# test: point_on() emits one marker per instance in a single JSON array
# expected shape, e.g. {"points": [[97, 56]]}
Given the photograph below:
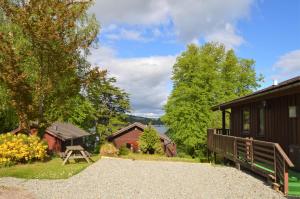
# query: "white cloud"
{"points": [[227, 36], [287, 66], [289, 62], [190, 19], [126, 35], [146, 79]]}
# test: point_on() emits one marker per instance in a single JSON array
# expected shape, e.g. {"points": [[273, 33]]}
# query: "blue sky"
{"points": [[140, 39]]}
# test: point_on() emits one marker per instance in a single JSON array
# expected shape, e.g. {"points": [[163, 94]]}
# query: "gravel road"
{"points": [[111, 178]]}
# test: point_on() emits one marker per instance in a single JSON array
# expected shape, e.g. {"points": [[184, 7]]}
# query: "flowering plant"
{"points": [[21, 149]]}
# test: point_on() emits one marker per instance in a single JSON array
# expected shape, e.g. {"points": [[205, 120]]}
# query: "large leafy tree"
{"points": [[204, 76], [110, 102], [43, 43]]}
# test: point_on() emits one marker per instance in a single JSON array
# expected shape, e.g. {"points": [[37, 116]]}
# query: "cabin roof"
{"points": [[63, 131], [66, 131], [281, 89], [139, 125]]}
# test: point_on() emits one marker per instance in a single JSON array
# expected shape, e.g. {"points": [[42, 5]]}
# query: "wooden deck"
{"points": [[264, 158]]}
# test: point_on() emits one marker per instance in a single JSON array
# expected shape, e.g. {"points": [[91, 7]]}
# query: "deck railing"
{"points": [[265, 158]]}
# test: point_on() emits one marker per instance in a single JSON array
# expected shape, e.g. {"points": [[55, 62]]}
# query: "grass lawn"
{"points": [[52, 169], [156, 157]]}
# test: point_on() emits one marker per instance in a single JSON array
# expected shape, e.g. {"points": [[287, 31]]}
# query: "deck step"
{"points": [[276, 186], [271, 176]]}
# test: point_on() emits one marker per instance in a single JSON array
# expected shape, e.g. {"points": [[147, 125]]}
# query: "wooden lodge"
{"points": [[129, 136], [59, 135], [261, 131]]}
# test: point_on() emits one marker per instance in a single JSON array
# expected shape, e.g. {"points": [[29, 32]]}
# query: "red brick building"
{"points": [[129, 137]]}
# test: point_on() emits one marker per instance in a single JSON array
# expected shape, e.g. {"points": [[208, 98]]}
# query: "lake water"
{"points": [[161, 128]]}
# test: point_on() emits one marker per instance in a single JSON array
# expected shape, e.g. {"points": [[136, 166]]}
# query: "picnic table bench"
{"points": [[76, 152]]}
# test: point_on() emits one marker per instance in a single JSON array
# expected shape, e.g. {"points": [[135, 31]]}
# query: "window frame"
{"points": [[246, 131], [259, 132]]}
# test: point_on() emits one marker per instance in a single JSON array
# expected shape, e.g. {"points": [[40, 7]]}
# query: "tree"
{"points": [[149, 141], [42, 50], [8, 117], [110, 102], [202, 77], [77, 110]]}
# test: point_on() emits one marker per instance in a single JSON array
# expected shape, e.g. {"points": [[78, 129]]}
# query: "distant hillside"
{"points": [[143, 120]]}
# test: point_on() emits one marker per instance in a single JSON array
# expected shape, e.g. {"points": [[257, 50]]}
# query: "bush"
{"points": [[21, 149], [123, 150], [149, 141], [108, 149]]}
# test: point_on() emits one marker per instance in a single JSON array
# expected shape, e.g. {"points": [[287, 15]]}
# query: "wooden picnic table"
{"points": [[76, 152]]}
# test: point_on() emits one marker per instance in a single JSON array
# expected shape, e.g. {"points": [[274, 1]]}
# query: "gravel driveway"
{"points": [[111, 178]]}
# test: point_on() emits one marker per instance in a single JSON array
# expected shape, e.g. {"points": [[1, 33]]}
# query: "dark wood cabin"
{"points": [[59, 135], [271, 114], [263, 132], [129, 136]]}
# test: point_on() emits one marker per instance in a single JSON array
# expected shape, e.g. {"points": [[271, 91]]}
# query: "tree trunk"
{"points": [[23, 123]]}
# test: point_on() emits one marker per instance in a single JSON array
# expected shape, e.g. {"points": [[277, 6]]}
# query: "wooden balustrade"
{"points": [[265, 158]]}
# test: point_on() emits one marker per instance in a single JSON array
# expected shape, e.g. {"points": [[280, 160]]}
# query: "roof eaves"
{"points": [[271, 89]]}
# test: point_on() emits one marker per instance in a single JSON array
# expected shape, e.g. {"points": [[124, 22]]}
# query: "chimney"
{"points": [[56, 127], [275, 82]]}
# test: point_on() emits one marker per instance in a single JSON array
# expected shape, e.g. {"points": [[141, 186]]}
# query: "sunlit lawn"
{"points": [[156, 157], [52, 169]]}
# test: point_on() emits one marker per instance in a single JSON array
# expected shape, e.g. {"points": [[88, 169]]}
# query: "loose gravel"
{"points": [[111, 178]]}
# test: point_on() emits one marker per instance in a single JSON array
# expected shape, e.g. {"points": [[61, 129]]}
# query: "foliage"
{"points": [[204, 76], [123, 150], [108, 149], [154, 121], [21, 148], [8, 117], [52, 169], [110, 102], [149, 141], [42, 54], [77, 110]]}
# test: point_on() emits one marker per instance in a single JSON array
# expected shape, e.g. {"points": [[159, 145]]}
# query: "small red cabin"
{"points": [[59, 135], [129, 137]]}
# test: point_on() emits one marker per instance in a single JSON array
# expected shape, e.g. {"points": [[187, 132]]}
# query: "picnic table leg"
{"points": [[67, 158], [88, 155], [85, 157]]}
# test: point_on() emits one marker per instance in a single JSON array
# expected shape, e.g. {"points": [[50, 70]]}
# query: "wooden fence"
{"points": [[265, 158]]}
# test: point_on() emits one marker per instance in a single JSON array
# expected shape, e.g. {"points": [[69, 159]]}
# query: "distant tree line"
{"points": [[204, 76], [144, 120]]}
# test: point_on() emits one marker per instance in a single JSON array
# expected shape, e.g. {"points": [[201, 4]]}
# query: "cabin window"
{"points": [[292, 111], [128, 145], [246, 120], [261, 123]]}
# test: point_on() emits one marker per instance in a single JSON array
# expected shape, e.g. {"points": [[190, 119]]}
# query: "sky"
{"points": [[139, 41]]}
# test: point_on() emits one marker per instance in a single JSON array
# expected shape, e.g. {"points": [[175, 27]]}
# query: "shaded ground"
{"points": [[121, 178]]}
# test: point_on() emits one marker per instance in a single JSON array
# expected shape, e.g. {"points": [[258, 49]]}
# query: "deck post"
{"points": [[285, 180], [223, 122], [238, 165], [215, 157]]}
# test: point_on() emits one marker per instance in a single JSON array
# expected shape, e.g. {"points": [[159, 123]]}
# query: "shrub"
{"points": [[108, 149], [149, 141], [123, 150], [21, 149]]}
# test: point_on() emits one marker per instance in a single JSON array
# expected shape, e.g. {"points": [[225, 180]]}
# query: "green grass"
{"points": [[294, 183], [156, 157], [52, 169]]}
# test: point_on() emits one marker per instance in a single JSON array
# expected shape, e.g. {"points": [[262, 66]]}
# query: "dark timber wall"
{"points": [[278, 126]]}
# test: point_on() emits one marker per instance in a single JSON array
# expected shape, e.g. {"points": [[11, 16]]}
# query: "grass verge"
{"points": [[156, 157], [52, 169]]}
